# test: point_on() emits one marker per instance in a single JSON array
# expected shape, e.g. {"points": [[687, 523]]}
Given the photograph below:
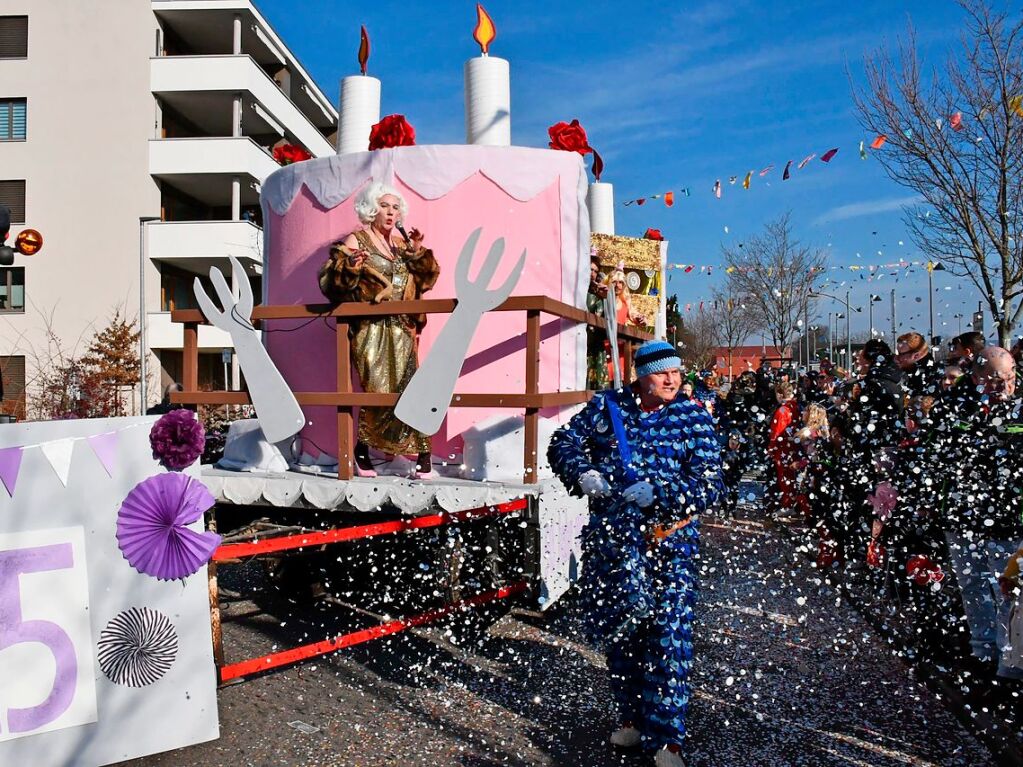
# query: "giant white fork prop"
{"points": [[278, 412], [424, 403]]}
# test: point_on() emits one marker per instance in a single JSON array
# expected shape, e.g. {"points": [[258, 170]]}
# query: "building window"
{"points": [[12, 289], [12, 119], [12, 194], [13, 37], [12, 386]]}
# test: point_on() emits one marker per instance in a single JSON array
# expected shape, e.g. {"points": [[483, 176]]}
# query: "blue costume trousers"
{"points": [[650, 665]]}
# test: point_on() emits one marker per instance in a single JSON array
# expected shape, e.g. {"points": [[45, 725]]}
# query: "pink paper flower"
{"points": [[177, 439], [883, 499]]}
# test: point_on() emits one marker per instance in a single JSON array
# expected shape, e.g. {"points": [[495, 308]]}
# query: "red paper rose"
{"points": [[393, 130], [286, 154], [653, 234], [570, 137]]}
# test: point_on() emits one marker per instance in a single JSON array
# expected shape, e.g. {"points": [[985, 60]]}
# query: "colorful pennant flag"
{"points": [[805, 160], [826, 157], [745, 181], [767, 170], [105, 448], [717, 189], [878, 142], [669, 199], [863, 152], [785, 175], [58, 453], [955, 122], [10, 463]]}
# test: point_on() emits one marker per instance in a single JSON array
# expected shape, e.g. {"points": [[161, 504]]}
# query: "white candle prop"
{"points": [[358, 112], [600, 201], [487, 101]]}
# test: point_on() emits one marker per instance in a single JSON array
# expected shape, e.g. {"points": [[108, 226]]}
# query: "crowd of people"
{"points": [[908, 472]]}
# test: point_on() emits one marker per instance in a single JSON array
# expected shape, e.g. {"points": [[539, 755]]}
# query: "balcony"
{"points": [[161, 333], [202, 89], [195, 246], [210, 156]]}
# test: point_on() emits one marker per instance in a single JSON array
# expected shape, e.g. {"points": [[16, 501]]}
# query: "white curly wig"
{"points": [[366, 203]]}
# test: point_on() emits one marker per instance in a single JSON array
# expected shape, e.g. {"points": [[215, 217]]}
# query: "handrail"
{"points": [[345, 400], [543, 304]]}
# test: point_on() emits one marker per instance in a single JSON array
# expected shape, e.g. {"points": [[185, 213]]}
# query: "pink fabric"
{"points": [[298, 242]]}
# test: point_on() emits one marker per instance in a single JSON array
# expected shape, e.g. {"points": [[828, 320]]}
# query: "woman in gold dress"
{"points": [[380, 263]]}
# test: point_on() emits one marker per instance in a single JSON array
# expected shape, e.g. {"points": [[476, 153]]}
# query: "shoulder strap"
{"points": [[624, 448]]}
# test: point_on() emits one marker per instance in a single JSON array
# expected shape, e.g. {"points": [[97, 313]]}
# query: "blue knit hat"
{"points": [[656, 357]]}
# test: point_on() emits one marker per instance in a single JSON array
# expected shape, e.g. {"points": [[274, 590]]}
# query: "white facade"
{"points": [[165, 110]]}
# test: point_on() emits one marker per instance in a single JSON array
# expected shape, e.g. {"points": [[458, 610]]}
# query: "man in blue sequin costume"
{"points": [[649, 463]]}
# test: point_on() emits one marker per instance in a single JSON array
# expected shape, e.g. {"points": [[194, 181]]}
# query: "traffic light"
{"points": [[6, 252]]}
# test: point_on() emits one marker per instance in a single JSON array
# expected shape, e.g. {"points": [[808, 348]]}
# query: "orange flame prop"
{"points": [[485, 31], [364, 50]]}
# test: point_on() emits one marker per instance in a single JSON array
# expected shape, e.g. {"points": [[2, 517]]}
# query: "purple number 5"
{"points": [[13, 630]]}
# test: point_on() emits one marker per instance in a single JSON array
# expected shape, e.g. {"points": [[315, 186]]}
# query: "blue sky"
{"points": [[672, 95]]}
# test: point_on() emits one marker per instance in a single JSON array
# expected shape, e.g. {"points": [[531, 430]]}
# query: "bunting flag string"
{"points": [[869, 268], [955, 122], [59, 453]]}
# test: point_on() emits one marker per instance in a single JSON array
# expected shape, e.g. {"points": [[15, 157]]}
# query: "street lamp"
{"points": [[848, 336], [932, 267], [143, 220], [870, 311]]}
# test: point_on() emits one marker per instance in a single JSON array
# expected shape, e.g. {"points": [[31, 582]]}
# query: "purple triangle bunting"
{"points": [[105, 448], [10, 463]]}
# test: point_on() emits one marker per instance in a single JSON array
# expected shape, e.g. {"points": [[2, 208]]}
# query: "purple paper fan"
{"points": [[151, 526]]}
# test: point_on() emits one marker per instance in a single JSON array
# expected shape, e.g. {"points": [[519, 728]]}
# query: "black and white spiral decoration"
{"points": [[137, 647]]}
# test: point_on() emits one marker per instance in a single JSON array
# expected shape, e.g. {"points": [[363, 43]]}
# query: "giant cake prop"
{"points": [[533, 199]]}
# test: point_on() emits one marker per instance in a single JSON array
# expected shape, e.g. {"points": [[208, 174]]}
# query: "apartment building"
{"points": [[134, 134]]}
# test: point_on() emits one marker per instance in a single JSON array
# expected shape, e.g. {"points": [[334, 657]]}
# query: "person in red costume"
{"points": [[781, 444]]}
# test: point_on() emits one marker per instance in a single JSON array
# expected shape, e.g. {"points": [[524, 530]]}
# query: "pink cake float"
{"points": [[535, 199]]}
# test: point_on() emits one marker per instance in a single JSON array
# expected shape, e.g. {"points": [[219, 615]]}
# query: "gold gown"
{"points": [[385, 350]]}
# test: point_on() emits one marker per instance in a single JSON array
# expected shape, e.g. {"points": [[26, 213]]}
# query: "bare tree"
{"points": [[736, 321], [774, 276], [957, 140], [699, 338]]}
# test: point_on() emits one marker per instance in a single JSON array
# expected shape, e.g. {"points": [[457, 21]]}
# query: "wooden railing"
{"points": [[345, 400]]}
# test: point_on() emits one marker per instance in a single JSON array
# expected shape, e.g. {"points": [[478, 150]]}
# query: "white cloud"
{"points": [[867, 208]]}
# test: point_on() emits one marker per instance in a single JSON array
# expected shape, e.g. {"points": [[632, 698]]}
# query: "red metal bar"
{"points": [[287, 657], [233, 551]]}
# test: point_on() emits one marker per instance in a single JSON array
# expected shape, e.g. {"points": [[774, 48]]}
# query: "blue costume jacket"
{"points": [[639, 605]]}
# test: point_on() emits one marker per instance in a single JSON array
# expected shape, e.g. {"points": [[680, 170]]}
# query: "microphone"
{"points": [[401, 229]]}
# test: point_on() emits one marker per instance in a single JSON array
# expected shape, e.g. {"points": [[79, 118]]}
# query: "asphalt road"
{"points": [[787, 673]]}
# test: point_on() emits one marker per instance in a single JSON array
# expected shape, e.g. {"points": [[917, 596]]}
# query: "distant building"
{"points": [[743, 358], [112, 113]]}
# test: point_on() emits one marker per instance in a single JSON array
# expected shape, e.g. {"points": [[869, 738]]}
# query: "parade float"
{"points": [[502, 356], [105, 650]]}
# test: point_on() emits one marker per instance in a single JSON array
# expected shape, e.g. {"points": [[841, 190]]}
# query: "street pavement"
{"points": [[787, 673]]}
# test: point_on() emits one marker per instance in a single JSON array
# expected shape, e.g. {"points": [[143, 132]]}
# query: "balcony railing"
{"points": [[345, 400], [176, 240], [237, 156], [230, 74]]}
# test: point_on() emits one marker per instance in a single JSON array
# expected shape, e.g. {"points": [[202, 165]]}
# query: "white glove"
{"points": [[593, 484], [639, 493]]}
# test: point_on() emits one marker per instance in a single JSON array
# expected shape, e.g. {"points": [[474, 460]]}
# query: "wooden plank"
{"points": [[345, 443], [544, 304], [190, 357], [370, 399], [530, 434]]}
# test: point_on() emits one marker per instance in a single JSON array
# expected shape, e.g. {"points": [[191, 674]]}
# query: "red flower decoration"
{"points": [[653, 234], [921, 570], [569, 137], [286, 154], [393, 130], [875, 554]]}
